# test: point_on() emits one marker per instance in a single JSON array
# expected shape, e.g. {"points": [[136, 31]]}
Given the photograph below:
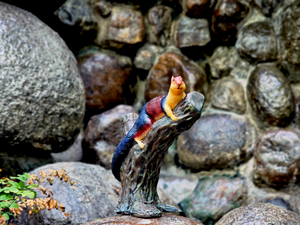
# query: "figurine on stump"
{"points": [[137, 160]]}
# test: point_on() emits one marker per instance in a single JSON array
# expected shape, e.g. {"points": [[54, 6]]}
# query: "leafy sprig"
{"points": [[18, 193]]}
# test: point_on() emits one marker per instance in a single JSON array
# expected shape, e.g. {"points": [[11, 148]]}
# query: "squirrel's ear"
{"points": [[172, 78]]}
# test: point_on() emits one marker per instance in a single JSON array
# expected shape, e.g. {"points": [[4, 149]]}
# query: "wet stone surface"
{"points": [[191, 32], [198, 8], [217, 141], [103, 134], [213, 197], [173, 64], [228, 94], [159, 21], [270, 96], [257, 42], [226, 17], [277, 157], [104, 74], [124, 25], [261, 213], [223, 61], [268, 7], [146, 55]]}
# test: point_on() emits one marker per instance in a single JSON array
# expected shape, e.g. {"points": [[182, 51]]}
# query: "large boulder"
{"points": [[95, 195], [41, 92]]}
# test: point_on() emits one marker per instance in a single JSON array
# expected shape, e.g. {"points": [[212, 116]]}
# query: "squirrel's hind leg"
{"points": [[142, 131]]}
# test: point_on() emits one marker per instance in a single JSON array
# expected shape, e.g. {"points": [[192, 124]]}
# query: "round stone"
{"points": [[103, 134], [173, 64], [198, 8], [270, 96], [41, 92], [226, 17], [105, 75], [277, 157], [217, 141], [262, 213], [191, 32], [257, 42], [228, 94], [213, 197]]}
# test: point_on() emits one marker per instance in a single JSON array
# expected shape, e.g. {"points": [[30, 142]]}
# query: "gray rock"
{"points": [[267, 7], [262, 213], [103, 134], [158, 23], [277, 157], [270, 96], [228, 94], [213, 197], [191, 32], [95, 195], [257, 42], [146, 55], [289, 31], [217, 141], [72, 154], [41, 92], [76, 12], [223, 61]]}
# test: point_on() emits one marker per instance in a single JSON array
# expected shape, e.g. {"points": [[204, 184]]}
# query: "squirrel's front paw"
{"points": [[174, 118]]}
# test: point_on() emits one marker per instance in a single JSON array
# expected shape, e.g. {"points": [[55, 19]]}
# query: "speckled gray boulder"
{"points": [[41, 92], [217, 141], [95, 195], [262, 213]]}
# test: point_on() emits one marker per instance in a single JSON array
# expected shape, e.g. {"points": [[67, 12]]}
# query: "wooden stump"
{"points": [[140, 170]]}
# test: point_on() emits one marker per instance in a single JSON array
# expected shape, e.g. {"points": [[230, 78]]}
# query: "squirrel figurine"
{"points": [[152, 111]]}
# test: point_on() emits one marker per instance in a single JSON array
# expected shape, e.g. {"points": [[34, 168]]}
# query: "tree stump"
{"points": [[140, 170]]}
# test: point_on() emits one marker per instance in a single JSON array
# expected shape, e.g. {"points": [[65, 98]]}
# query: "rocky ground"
{"points": [[70, 69]]}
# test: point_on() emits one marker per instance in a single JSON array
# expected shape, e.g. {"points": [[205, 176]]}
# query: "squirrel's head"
{"points": [[177, 83]]}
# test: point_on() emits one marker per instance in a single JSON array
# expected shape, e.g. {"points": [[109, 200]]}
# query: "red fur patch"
{"points": [[153, 108]]}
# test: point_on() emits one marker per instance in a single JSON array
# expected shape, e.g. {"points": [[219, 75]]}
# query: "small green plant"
{"points": [[18, 193]]}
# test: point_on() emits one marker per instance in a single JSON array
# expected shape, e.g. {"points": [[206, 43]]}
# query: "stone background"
{"points": [[243, 55]]}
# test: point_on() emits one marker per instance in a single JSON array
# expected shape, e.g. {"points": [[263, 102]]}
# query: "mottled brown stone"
{"points": [[257, 42], [217, 141], [165, 219], [198, 8], [228, 94], [104, 74], [191, 32], [172, 64], [103, 134], [277, 157], [270, 96], [214, 196], [261, 213], [226, 17], [159, 21], [124, 25]]}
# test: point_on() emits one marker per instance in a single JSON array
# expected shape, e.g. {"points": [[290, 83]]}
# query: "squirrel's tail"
{"points": [[122, 151]]}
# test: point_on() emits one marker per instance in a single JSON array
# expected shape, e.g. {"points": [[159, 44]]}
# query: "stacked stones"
{"points": [[242, 55]]}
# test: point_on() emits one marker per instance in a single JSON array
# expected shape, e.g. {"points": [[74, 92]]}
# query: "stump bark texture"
{"points": [[140, 171]]}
